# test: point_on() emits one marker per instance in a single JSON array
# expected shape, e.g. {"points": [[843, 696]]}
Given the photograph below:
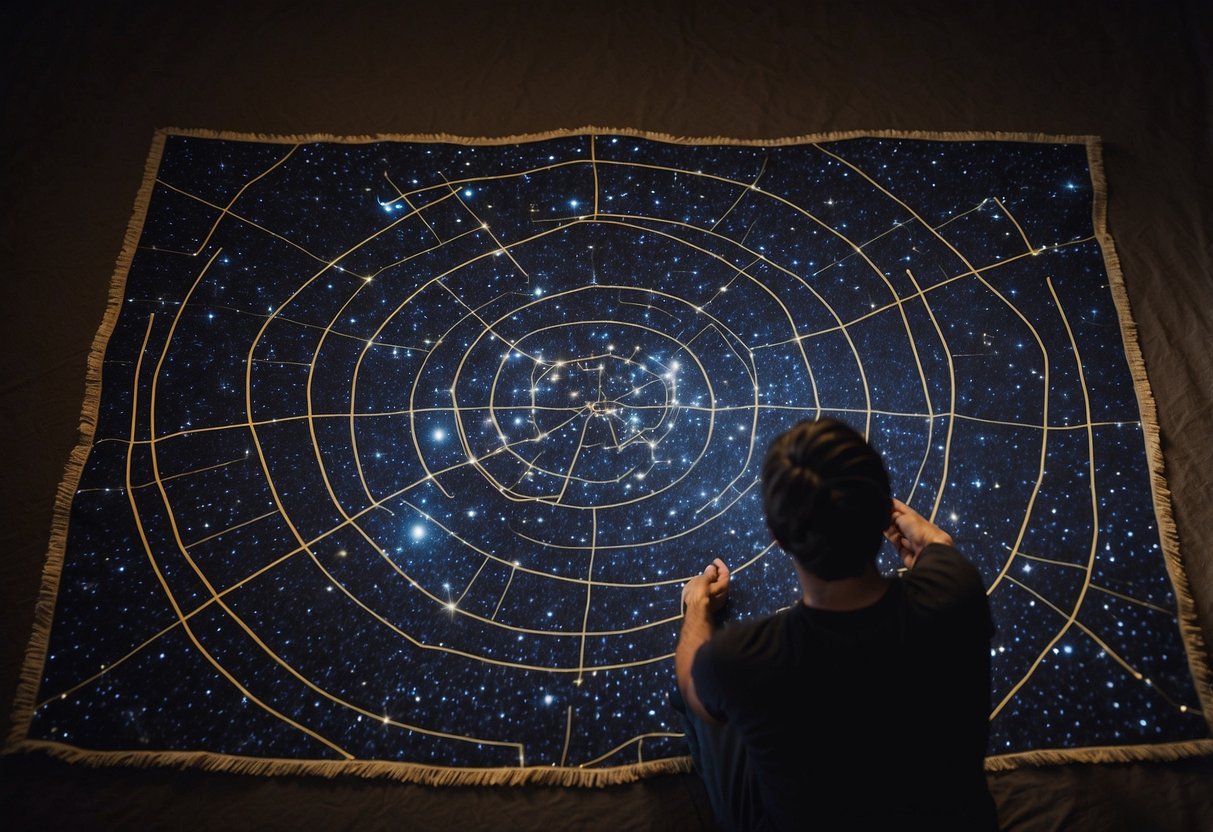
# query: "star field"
{"points": [[405, 448]]}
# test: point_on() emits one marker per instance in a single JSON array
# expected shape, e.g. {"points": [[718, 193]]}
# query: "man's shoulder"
{"points": [[944, 582], [942, 565], [740, 639], [740, 656]]}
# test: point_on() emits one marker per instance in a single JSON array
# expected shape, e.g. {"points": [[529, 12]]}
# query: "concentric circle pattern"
{"points": [[406, 448]]}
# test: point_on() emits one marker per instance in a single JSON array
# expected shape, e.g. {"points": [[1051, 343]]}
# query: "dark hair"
{"points": [[827, 498]]}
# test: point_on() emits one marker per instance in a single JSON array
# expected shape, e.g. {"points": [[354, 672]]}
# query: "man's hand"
{"points": [[712, 585], [910, 533]]}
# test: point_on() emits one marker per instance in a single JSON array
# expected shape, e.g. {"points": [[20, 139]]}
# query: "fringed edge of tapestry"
{"points": [[25, 700], [1189, 623]]}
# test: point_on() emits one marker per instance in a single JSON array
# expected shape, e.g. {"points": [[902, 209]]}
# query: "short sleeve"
{"points": [[943, 582], [709, 685]]}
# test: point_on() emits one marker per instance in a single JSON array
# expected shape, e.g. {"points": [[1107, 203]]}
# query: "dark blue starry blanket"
{"points": [[398, 451]]}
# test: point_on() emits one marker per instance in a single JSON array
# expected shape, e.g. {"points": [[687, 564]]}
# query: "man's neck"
{"points": [[845, 594]]}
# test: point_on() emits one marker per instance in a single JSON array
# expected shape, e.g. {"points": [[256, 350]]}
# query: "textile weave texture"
{"points": [[397, 450]]}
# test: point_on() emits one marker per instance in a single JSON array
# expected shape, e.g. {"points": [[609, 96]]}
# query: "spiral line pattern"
{"points": [[405, 448]]}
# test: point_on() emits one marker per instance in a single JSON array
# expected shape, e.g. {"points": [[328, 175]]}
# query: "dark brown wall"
{"points": [[86, 84]]}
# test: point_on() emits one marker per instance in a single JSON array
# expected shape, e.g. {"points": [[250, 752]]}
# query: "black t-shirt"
{"points": [[867, 717]]}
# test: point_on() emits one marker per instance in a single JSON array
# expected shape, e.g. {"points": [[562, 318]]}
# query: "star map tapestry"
{"points": [[397, 450]]}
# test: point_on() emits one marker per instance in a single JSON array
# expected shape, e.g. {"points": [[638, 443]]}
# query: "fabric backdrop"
{"points": [[400, 450]]}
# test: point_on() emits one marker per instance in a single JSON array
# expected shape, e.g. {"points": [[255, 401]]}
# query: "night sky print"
{"points": [[405, 448]]}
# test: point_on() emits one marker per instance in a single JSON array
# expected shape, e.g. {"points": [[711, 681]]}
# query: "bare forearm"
{"points": [[696, 631], [702, 595], [910, 533]]}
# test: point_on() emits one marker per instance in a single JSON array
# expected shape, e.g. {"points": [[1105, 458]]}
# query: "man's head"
{"points": [[827, 498]]}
